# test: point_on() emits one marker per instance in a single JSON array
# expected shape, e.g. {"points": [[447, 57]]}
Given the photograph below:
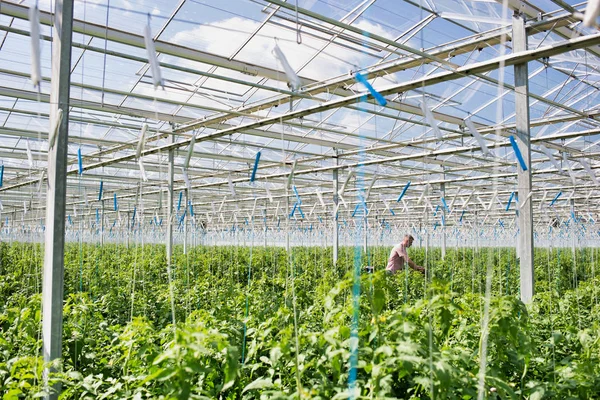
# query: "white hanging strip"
{"points": [[320, 196], [141, 141], [293, 80], [371, 186], [588, 169], [269, 195], [231, 187], [522, 204], [253, 209], [152, 59], [343, 189], [548, 154], [543, 199], [454, 200], [591, 13], [421, 197], [222, 204], [29, 155], [186, 179], [55, 129], [431, 120], [482, 203], [277, 210], [473, 130], [186, 164], [36, 68], [142, 170], [312, 210], [569, 170], [291, 175], [468, 199], [1, 206], [343, 201]]}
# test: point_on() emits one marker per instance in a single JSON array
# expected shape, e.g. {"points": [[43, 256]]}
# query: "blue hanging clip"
{"points": [[79, 161], [403, 192], [355, 210], [294, 209], [253, 176], [512, 196], [518, 153], [179, 202], [1, 175], [555, 198], [133, 217], [378, 97], [461, 216], [298, 200], [115, 202], [191, 208], [100, 192], [69, 218], [445, 205]]}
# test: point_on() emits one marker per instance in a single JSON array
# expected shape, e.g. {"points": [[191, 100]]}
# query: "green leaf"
{"points": [[260, 383]]}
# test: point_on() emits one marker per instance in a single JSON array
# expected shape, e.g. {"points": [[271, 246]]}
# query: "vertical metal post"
{"points": [[524, 177], [443, 194], [102, 225], [185, 219], [53, 276], [170, 175], [287, 220], [336, 187], [574, 225]]}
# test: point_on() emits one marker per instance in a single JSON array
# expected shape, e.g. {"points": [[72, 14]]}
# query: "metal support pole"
{"points": [[185, 222], [287, 220], [574, 226], [524, 177], [336, 187], [53, 276], [102, 225], [443, 194], [170, 174]]}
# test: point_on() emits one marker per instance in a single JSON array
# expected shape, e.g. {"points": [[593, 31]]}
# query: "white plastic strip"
{"points": [[431, 120], [141, 141], [568, 165], [468, 199], [526, 200], [152, 59], [291, 175], [142, 170], [29, 155], [493, 200], [222, 203], [473, 130], [371, 186], [340, 197], [588, 169], [186, 179], [36, 66], [231, 187], [186, 164], [41, 182], [320, 196], [269, 195], [293, 79], [548, 154], [543, 199], [345, 185], [591, 13], [54, 130]]}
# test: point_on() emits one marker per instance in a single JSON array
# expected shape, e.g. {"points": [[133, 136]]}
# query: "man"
{"points": [[399, 256]]}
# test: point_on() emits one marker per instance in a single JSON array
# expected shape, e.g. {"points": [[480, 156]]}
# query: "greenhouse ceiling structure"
{"points": [[212, 115]]}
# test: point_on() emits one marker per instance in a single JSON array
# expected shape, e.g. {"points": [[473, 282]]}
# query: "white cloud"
{"points": [[226, 36]]}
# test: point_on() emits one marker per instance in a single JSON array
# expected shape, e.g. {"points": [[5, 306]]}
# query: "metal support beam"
{"points": [[53, 279], [525, 236], [336, 187]]}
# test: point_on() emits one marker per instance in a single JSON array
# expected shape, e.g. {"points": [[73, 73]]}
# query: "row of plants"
{"points": [[258, 323]]}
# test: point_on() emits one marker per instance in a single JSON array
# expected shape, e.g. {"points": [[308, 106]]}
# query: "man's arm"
{"points": [[414, 266]]}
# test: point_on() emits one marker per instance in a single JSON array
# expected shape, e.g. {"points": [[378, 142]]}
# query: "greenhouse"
{"points": [[304, 199]]}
